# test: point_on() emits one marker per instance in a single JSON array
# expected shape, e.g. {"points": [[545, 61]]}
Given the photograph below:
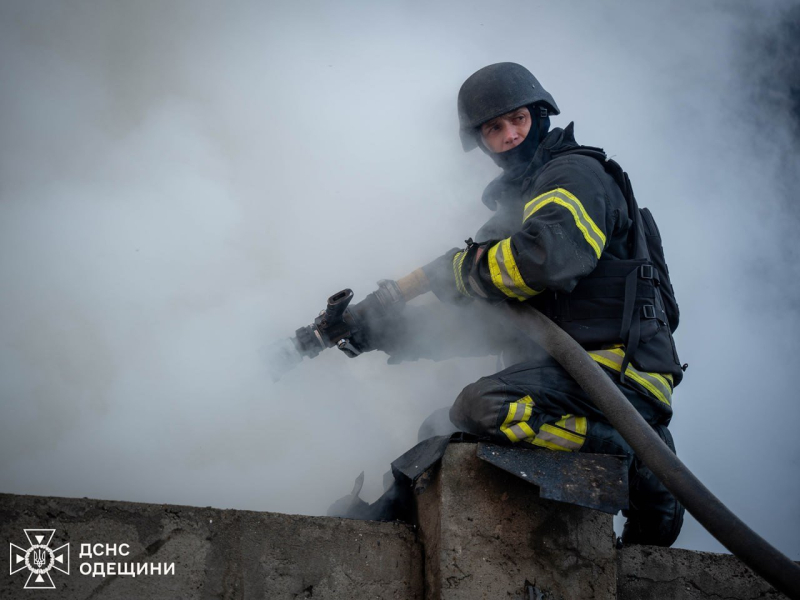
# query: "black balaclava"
{"points": [[514, 161]]}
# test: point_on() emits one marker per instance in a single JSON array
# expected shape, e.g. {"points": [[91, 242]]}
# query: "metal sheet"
{"points": [[411, 465], [420, 458], [598, 481]]}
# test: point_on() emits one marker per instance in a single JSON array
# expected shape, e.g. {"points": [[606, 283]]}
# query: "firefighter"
{"points": [[568, 237]]}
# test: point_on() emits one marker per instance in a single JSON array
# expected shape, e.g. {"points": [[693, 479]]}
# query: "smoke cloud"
{"points": [[183, 183]]}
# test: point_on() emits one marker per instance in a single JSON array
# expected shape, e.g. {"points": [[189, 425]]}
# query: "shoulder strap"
{"points": [[631, 319], [656, 249], [612, 167]]}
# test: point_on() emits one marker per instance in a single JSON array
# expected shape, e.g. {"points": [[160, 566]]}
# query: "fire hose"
{"points": [[753, 550]]}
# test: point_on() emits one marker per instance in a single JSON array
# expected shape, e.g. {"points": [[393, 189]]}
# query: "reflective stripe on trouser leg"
{"points": [[486, 408], [515, 425], [484, 405], [567, 434]]}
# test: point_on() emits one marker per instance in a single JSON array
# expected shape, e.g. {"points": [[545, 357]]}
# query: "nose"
{"points": [[511, 135]]}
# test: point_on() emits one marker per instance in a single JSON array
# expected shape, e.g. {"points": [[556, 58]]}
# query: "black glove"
{"points": [[373, 319], [449, 274]]}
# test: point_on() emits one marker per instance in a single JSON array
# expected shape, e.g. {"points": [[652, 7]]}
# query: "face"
{"points": [[506, 131]]}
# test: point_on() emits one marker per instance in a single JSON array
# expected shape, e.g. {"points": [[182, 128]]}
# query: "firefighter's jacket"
{"points": [[569, 239]]}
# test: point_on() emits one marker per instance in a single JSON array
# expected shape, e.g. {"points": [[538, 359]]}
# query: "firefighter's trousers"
{"points": [[538, 403]]}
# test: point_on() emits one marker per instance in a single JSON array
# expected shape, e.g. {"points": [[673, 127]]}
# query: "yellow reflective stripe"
{"points": [[528, 411], [514, 426], [591, 232], [566, 434], [505, 273], [497, 275], [572, 423], [512, 408], [543, 443], [554, 438], [513, 270], [529, 432], [559, 430], [664, 379], [637, 376], [519, 411], [652, 382], [518, 432], [458, 263], [510, 433], [661, 383]]}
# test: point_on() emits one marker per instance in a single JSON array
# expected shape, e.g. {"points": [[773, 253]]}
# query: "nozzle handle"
{"points": [[414, 284], [337, 304]]}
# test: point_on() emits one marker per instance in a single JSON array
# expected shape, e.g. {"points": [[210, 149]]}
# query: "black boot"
{"points": [[655, 517]]}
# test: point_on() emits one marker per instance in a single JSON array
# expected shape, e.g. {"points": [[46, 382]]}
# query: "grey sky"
{"points": [[183, 182]]}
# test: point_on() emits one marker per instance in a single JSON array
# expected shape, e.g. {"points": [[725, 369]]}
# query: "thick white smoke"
{"points": [[182, 183]]}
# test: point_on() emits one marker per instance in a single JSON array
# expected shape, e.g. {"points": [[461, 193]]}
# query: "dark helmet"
{"points": [[494, 91]]}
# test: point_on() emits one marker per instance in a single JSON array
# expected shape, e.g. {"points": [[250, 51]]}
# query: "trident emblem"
{"points": [[39, 559]]}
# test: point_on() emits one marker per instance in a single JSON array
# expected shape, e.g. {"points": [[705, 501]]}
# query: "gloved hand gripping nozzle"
{"points": [[352, 329], [338, 324]]}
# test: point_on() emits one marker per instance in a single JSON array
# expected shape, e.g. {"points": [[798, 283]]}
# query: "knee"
{"points": [[463, 407], [476, 407]]}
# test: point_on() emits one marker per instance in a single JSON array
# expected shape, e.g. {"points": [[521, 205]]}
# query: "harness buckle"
{"points": [[649, 311], [647, 272]]}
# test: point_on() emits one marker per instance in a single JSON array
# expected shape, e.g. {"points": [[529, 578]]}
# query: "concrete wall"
{"points": [[650, 573], [217, 553], [483, 534]]}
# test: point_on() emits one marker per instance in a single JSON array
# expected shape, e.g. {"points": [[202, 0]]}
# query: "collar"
{"points": [[506, 188]]}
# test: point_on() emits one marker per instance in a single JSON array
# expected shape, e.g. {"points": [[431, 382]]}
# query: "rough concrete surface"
{"points": [[217, 553], [483, 534], [486, 532], [652, 573]]}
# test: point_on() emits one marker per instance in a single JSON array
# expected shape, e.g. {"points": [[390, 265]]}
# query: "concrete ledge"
{"points": [[652, 573], [217, 553], [486, 532]]}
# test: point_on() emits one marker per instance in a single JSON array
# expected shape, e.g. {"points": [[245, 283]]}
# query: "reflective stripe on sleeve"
{"points": [[505, 273], [591, 232], [458, 263], [656, 384]]}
